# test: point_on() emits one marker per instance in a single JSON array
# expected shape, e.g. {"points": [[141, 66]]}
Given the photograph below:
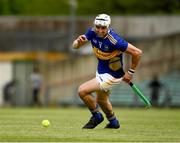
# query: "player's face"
{"points": [[101, 31]]}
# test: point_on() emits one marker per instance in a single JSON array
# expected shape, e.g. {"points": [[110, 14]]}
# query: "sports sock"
{"points": [[95, 111], [111, 117]]}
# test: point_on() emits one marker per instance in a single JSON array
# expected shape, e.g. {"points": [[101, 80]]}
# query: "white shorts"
{"points": [[107, 81]]}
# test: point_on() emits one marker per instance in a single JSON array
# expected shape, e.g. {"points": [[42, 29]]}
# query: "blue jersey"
{"points": [[109, 51]]}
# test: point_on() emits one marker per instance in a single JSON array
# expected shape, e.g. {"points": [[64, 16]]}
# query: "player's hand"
{"points": [[127, 77], [81, 39]]}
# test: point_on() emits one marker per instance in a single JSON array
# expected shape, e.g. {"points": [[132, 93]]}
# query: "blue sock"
{"points": [[114, 121], [97, 114], [96, 110]]}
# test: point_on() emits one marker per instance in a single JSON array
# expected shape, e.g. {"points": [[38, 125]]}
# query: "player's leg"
{"points": [[34, 97], [103, 101], [85, 91]]}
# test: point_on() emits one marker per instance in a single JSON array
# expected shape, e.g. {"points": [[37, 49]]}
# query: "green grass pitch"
{"points": [[137, 125]]}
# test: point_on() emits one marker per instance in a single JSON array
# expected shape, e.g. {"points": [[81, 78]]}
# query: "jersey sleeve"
{"points": [[89, 34], [121, 45]]}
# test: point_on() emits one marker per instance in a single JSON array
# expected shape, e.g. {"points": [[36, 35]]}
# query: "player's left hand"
{"points": [[127, 77]]}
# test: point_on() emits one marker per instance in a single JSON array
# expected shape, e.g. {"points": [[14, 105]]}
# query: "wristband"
{"points": [[131, 71]]}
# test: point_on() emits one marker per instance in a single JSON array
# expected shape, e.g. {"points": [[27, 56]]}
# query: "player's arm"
{"points": [[136, 55], [80, 41]]}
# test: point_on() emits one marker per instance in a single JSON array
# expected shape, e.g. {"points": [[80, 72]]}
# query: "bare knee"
{"points": [[82, 92]]}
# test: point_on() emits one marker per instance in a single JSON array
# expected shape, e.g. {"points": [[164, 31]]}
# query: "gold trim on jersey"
{"points": [[105, 55], [111, 39]]}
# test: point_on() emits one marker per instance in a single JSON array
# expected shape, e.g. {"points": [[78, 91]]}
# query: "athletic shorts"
{"points": [[107, 81]]}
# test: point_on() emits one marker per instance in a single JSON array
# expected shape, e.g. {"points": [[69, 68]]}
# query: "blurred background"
{"points": [[37, 60]]}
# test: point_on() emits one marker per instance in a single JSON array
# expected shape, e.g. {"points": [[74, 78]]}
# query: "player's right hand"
{"points": [[81, 39]]}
